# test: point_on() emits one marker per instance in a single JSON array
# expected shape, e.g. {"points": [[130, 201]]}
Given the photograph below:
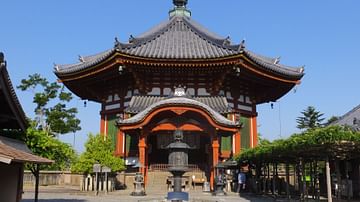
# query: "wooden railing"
{"points": [[164, 167]]}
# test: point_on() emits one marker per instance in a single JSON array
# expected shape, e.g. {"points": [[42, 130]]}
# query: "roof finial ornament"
{"points": [[302, 69], [277, 60], [242, 45], [180, 9], [131, 38], [227, 41], [2, 57], [117, 43], [56, 67], [81, 58], [180, 3]]}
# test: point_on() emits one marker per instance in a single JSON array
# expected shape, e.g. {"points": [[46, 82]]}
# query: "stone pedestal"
{"points": [[219, 189], [139, 189], [219, 185]]}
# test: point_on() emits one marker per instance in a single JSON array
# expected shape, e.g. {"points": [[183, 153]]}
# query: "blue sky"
{"points": [[323, 35]]}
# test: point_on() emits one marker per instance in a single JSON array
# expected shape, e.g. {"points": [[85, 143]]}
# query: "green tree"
{"points": [[51, 113], [46, 145], [52, 117], [331, 120], [262, 140], [98, 150], [310, 119]]}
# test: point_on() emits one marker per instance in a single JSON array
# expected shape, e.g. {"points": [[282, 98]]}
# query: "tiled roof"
{"points": [[140, 103], [349, 118], [16, 151], [10, 104], [179, 101], [272, 65], [180, 38], [85, 62]]}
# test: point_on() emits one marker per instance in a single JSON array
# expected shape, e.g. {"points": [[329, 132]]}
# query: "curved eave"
{"points": [[179, 102], [272, 65], [87, 63], [77, 68], [258, 66]]}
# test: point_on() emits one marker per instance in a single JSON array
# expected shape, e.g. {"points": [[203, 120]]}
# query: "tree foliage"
{"points": [[98, 150], [52, 117], [331, 120], [262, 140], [310, 119], [47, 146], [52, 113], [304, 144]]}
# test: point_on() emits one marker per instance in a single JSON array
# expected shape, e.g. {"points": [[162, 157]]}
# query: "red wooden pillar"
{"points": [[146, 164], [142, 154], [236, 139], [254, 131], [215, 158], [237, 143], [102, 124], [120, 150]]}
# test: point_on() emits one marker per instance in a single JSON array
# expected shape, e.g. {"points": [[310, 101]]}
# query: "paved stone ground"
{"points": [[69, 194]]}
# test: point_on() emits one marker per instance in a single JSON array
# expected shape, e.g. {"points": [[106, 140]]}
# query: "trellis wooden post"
{"points": [[287, 180], [317, 183], [268, 177], [299, 177], [258, 177], [328, 180], [338, 179], [304, 188], [347, 180], [311, 184], [273, 179], [264, 178]]}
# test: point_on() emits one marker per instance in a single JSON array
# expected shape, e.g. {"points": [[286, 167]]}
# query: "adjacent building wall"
{"points": [[10, 181]]}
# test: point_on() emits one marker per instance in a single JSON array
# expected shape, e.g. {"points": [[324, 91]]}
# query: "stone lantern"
{"points": [[178, 165]]}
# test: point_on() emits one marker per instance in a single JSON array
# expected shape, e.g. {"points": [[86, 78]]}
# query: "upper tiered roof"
{"points": [[180, 39]]}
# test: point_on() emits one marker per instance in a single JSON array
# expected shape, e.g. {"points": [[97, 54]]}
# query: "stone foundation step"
{"points": [[157, 180]]}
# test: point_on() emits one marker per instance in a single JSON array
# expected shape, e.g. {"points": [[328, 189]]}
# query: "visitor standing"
{"points": [[241, 181]]}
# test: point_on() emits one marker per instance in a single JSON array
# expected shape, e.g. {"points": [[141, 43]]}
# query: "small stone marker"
{"points": [[105, 169], [96, 168]]}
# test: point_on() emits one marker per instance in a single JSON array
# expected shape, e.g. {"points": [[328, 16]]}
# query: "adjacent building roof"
{"points": [[12, 115], [181, 39], [140, 103], [12, 150], [179, 101], [351, 119]]}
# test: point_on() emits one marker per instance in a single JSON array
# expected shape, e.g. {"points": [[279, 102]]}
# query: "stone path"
{"points": [[70, 194]]}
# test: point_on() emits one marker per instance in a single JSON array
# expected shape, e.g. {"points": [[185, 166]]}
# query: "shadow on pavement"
{"points": [[54, 200], [256, 197]]}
